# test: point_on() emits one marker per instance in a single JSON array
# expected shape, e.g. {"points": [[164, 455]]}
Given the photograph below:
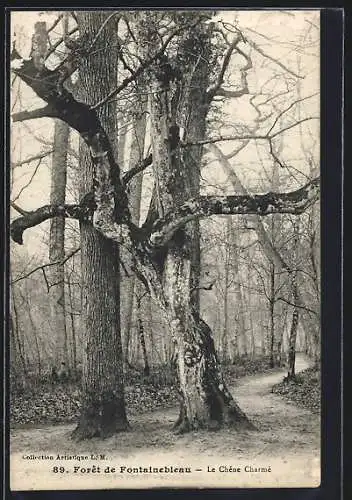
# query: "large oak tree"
{"points": [[164, 249]]}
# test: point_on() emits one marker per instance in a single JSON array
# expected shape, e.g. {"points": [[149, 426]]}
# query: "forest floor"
{"points": [[287, 441]]}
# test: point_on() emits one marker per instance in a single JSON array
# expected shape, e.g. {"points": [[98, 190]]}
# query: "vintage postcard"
{"points": [[165, 249]]}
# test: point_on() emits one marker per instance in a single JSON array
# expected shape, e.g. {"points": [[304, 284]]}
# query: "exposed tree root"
{"points": [[102, 421]]}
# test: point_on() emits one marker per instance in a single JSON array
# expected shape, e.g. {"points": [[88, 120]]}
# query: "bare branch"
{"points": [[214, 89], [43, 266], [61, 104], [288, 127], [294, 202], [55, 23], [271, 58], [45, 279], [60, 41], [31, 219], [224, 138], [18, 209], [39, 156], [245, 137], [23, 188], [144, 65], [244, 90], [288, 108], [130, 32], [46, 142], [305, 308], [139, 167], [44, 112]]}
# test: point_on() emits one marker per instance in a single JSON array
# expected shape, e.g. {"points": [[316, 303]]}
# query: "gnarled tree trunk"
{"points": [[205, 399]]}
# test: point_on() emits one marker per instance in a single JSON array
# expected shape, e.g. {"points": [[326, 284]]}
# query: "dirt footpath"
{"points": [[287, 441]]}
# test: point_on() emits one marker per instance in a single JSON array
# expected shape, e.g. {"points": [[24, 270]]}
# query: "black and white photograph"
{"points": [[165, 249]]}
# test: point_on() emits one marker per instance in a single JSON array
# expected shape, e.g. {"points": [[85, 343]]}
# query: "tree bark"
{"points": [[103, 405]]}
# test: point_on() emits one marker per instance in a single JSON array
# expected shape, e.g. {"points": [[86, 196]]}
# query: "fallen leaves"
{"points": [[303, 389]]}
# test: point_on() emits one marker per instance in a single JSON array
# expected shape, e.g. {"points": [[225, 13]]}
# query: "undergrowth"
{"points": [[44, 402], [303, 389]]}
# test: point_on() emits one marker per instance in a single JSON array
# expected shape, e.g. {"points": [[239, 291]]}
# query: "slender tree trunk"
{"points": [[103, 406], [135, 189], [73, 328], [155, 354], [225, 332], [251, 329], [240, 325], [17, 368], [292, 341], [16, 332], [146, 368], [295, 313], [272, 317], [56, 272], [36, 343], [57, 244]]}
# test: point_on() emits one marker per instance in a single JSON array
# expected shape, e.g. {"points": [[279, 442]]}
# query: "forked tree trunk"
{"points": [[205, 399], [103, 406]]}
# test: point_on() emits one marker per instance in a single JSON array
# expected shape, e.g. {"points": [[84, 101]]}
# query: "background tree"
{"points": [[57, 232]]}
